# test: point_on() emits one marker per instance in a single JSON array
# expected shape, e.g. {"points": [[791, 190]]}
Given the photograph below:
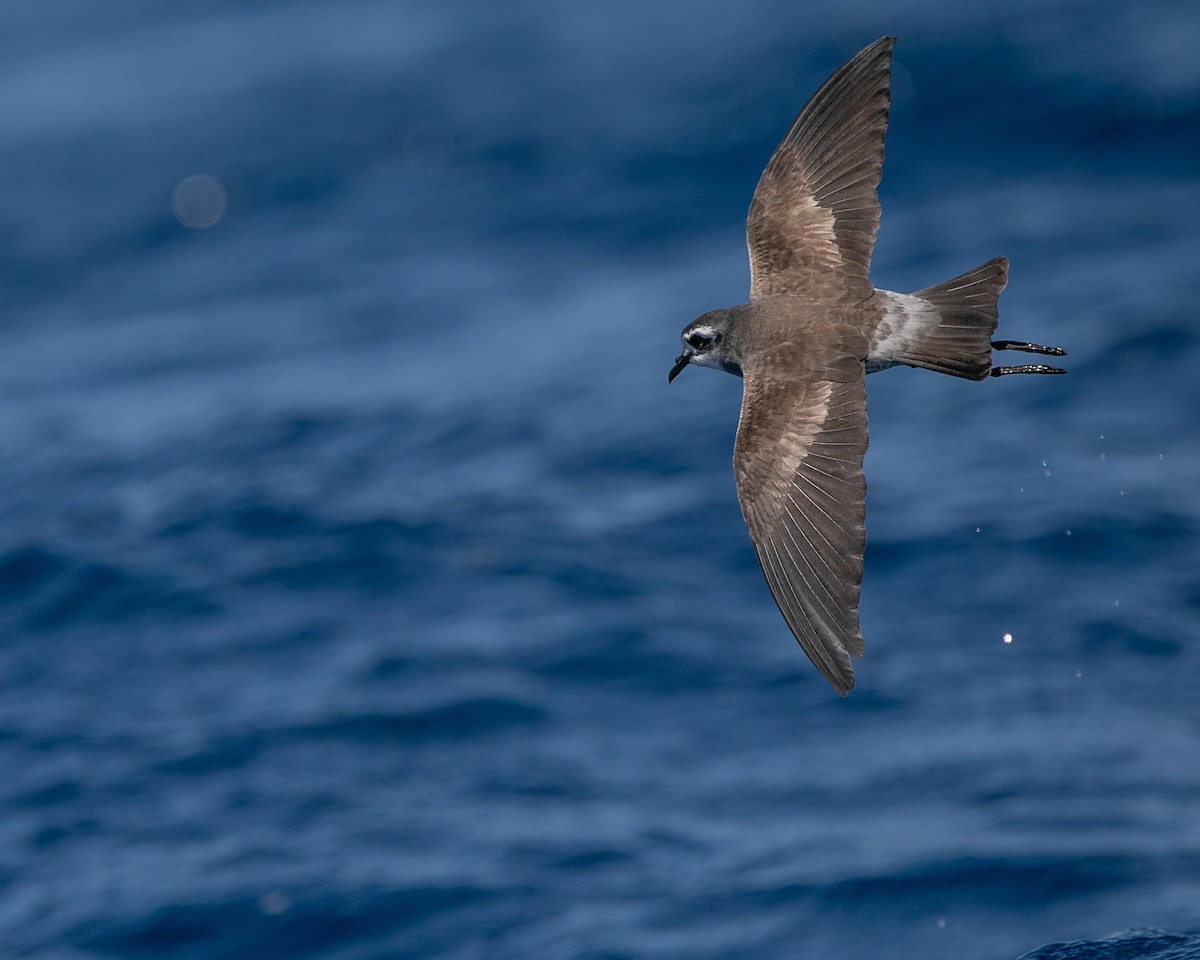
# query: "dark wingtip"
{"points": [[843, 685], [838, 673], [873, 50], [885, 43]]}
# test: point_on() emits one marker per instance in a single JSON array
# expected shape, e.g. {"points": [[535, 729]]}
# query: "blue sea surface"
{"points": [[365, 591]]}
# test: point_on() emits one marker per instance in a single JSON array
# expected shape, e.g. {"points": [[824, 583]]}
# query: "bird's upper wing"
{"points": [[813, 218], [798, 464]]}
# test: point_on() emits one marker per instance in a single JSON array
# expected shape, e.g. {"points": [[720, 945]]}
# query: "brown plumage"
{"points": [[813, 328]]}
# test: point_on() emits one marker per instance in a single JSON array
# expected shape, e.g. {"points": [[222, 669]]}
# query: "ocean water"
{"points": [[365, 592]]}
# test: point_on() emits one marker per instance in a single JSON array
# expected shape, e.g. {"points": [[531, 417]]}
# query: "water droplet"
{"points": [[199, 201], [1008, 638], [273, 903]]}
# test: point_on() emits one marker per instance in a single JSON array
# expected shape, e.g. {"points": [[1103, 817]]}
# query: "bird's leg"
{"points": [[1026, 368], [1025, 347]]}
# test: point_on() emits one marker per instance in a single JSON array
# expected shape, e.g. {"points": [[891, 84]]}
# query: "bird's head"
{"points": [[707, 343]]}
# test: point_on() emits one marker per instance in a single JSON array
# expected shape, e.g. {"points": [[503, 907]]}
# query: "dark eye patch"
{"points": [[698, 341]]}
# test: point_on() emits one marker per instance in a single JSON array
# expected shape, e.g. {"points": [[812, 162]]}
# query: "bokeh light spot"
{"points": [[199, 201]]}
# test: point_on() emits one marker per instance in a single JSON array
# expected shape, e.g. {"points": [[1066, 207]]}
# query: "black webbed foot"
{"points": [[1026, 368], [1026, 347]]}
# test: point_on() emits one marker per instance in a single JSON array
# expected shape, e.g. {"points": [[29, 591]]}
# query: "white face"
{"points": [[703, 342], [708, 342]]}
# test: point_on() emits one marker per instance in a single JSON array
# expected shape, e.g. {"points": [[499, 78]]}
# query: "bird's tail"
{"points": [[960, 341]]}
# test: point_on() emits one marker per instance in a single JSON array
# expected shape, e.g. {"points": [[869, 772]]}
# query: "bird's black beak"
{"points": [[681, 361]]}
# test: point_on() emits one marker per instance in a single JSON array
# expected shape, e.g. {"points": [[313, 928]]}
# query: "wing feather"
{"points": [[815, 209], [798, 464]]}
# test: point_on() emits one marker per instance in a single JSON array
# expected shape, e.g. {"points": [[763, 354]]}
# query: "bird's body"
{"points": [[813, 328]]}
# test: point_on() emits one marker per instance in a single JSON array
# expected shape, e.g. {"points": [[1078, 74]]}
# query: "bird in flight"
{"points": [[814, 326]]}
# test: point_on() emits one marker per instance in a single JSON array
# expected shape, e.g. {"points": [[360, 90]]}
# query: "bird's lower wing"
{"points": [[798, 465]]}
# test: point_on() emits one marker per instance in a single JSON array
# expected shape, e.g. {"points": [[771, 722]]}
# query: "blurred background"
{"points": [[365, 591]]}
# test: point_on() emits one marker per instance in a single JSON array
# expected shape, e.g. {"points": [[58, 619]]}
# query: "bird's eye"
{"points": [[699, 341]]}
